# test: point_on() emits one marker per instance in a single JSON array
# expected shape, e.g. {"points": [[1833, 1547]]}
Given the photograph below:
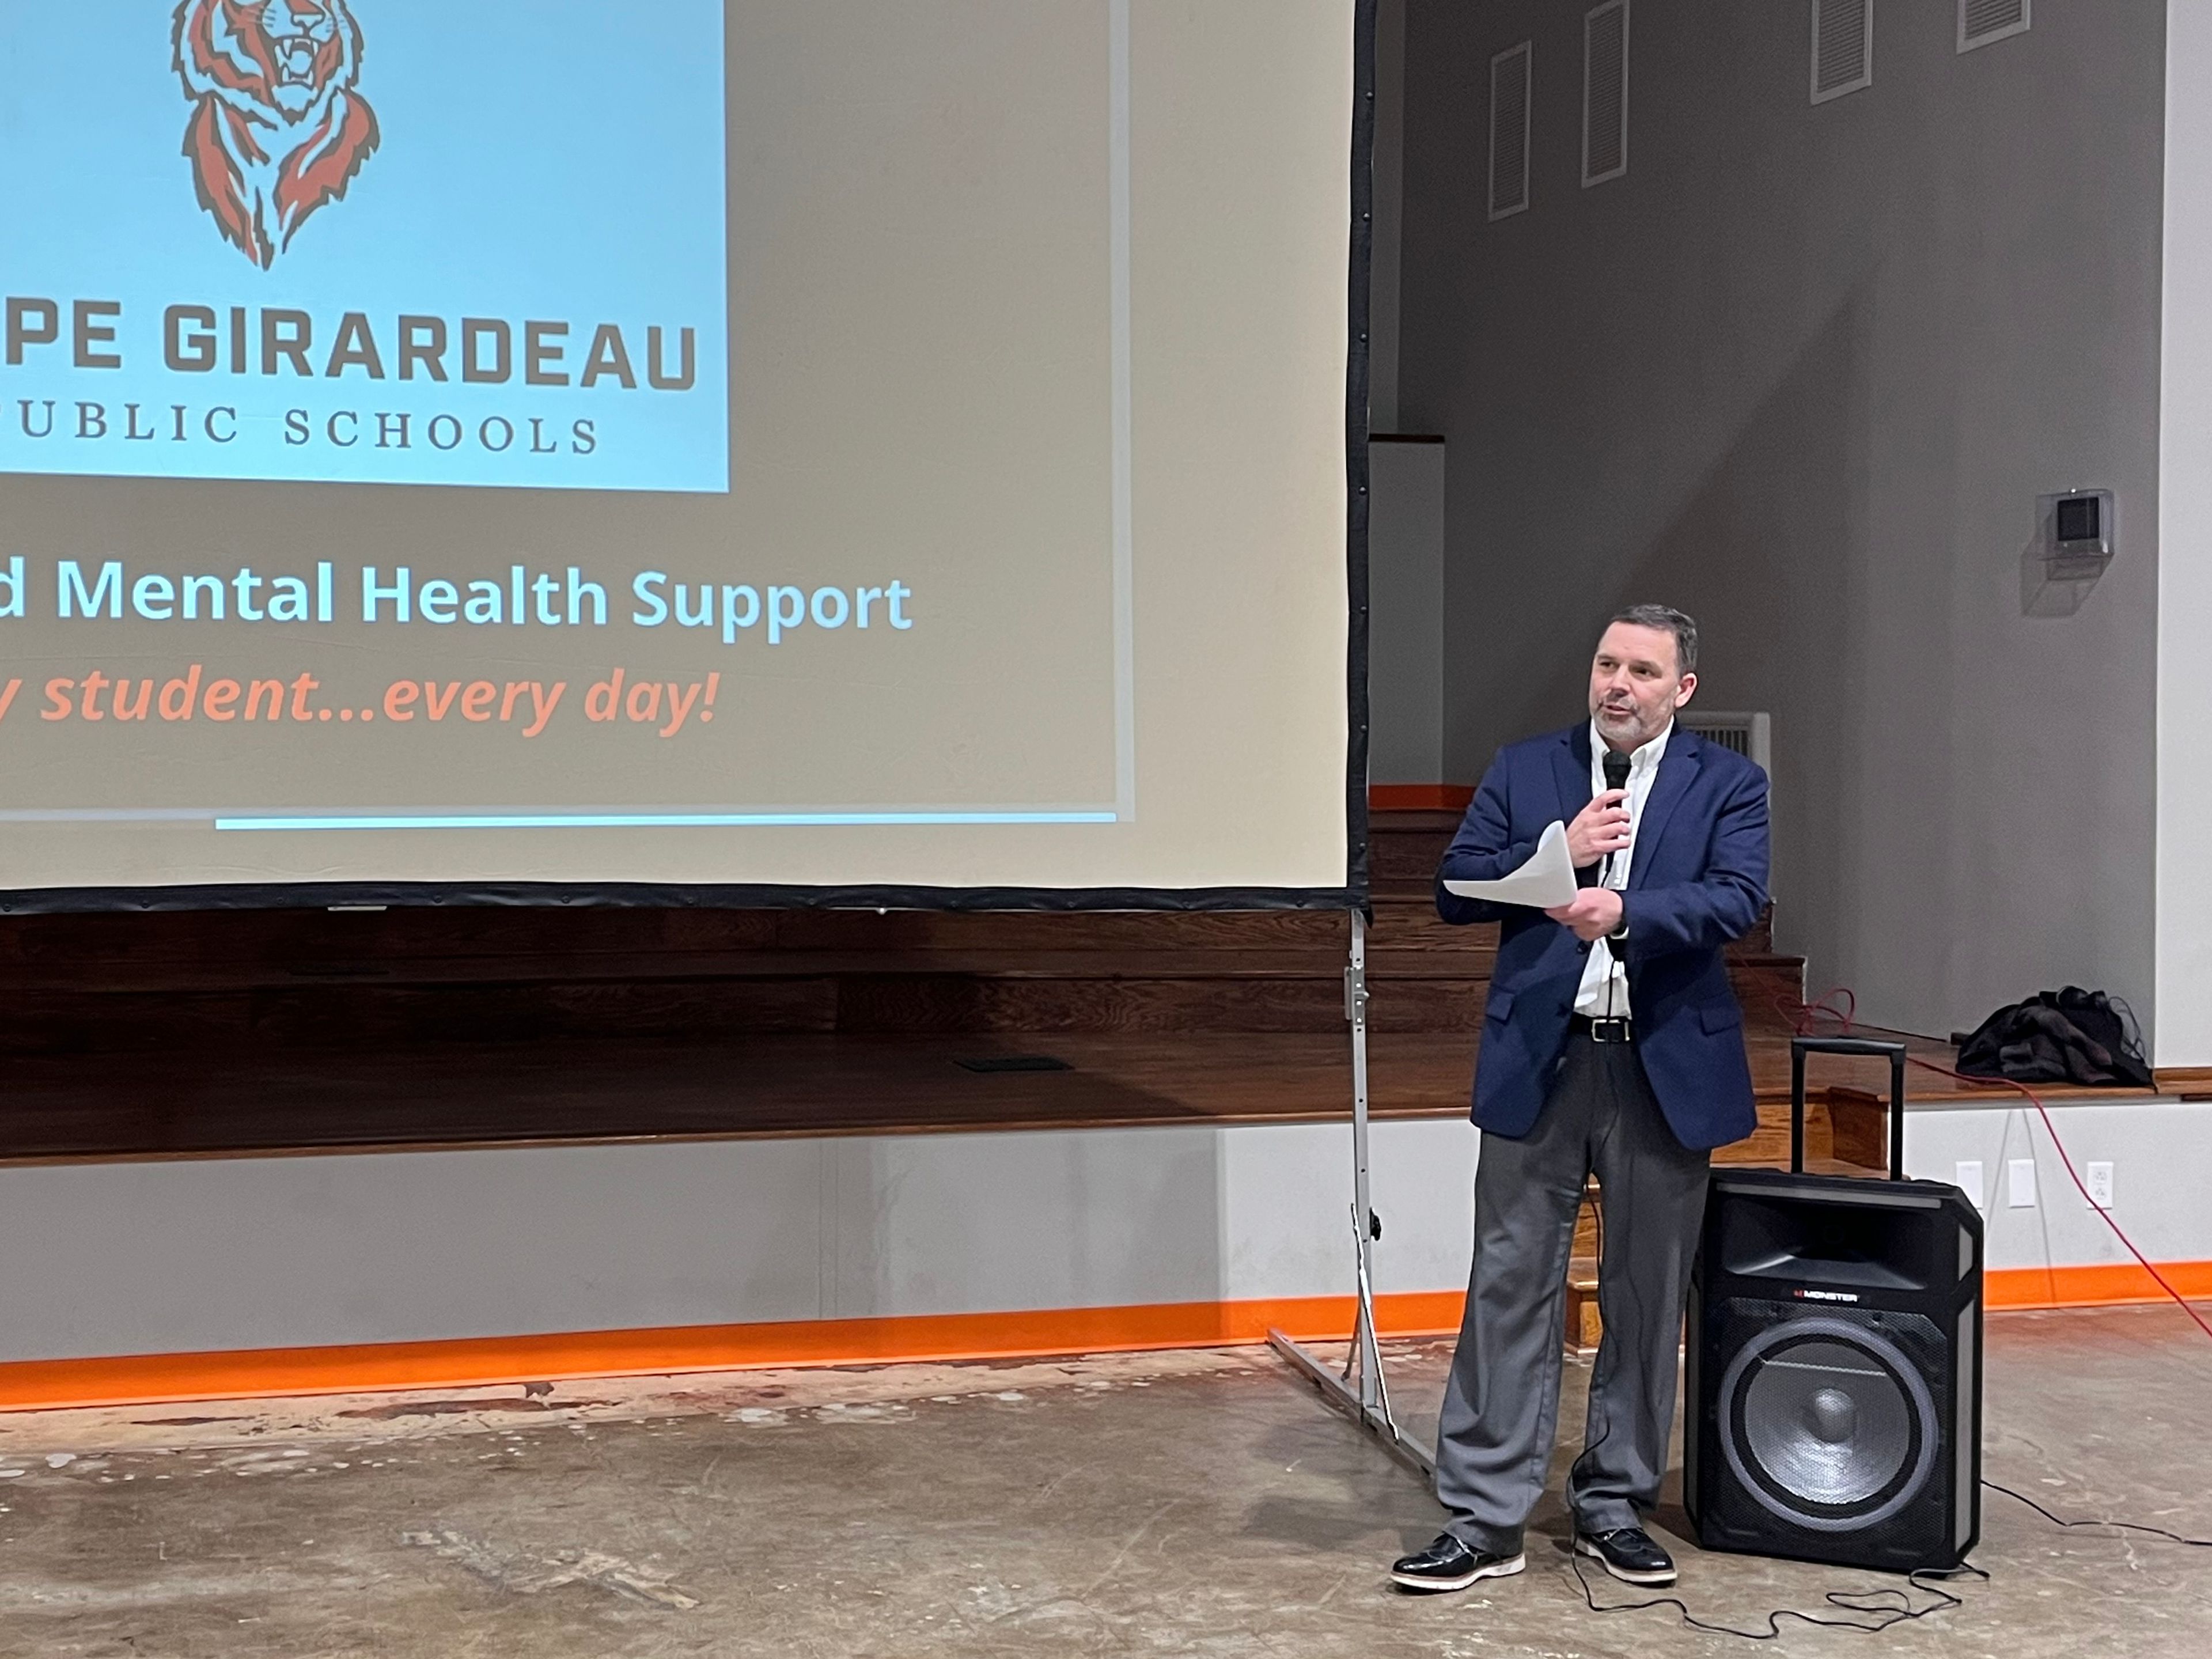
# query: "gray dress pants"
{"points": [[1500, 1416]]}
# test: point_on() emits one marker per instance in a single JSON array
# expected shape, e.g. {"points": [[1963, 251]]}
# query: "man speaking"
{"points": [[1613, 1043]]}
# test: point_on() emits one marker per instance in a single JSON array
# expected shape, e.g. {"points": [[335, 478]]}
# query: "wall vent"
{"points": [[1843, 47], [1509, 130], [1981, 21], [1605, 93], [1750, 736]]}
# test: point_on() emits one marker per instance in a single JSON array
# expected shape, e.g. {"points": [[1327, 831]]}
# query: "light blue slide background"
{"points": [[556, 159]]}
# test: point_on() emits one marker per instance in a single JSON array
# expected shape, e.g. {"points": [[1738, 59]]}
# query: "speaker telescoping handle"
{"points": [[1892, 1052]]}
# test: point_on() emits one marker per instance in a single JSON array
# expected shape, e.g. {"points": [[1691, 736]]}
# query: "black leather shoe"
{"points": [[1629, 1554], [1449, 1564]]}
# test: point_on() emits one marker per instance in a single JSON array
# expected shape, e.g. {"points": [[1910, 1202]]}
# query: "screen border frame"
{"points": [[1355, 893]]}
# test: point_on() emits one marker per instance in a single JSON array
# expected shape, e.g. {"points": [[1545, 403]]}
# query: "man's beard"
{"points": [[1628, 726]]}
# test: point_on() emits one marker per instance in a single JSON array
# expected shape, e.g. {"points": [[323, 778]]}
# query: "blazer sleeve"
{"points": [[1484, 849], [1726, 900]]}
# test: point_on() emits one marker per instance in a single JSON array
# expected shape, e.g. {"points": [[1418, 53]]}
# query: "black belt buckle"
{"points": [[1610, 1030]]}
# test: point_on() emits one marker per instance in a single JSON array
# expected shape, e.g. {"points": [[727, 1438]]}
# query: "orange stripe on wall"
{"points": [[2093, 1287], [159, 1379], [483, 1362], [1418, 797]]}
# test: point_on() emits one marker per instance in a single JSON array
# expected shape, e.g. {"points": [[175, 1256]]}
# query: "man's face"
{"points": [[1636, 684]]}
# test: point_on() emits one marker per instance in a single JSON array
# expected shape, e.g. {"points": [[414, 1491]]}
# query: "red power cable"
{"points": [[1804, 1015]]}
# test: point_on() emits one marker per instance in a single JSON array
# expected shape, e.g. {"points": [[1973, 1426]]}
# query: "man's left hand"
{"points": [[1594, 913]]}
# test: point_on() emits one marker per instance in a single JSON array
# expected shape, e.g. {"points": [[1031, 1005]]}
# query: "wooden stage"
{"points": [[243, 1032], [254, 1100]]}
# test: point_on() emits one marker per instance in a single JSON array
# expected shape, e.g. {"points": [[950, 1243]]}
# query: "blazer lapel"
{"points": [[1571, 766], [1678, 768]]}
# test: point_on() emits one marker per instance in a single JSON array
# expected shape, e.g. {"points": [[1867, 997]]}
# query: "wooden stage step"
{"points": [[1404, 848], [193, 981], [255, 1098], [710, 995], [200, 1031]]}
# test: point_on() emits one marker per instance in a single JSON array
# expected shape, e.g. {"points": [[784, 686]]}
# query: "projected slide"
{"points": [[879, 441], [367, 240]]}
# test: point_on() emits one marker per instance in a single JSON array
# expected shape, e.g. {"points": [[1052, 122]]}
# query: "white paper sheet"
{"points": [[1545, 882]]}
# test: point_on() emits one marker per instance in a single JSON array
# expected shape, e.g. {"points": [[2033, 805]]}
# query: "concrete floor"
{"points": [[1198, 1502]]}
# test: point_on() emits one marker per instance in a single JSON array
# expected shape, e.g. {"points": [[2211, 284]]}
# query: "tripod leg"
{"points": [[1367, 1401]]}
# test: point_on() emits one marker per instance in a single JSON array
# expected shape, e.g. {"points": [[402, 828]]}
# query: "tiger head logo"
{"points": [[277, 130]]}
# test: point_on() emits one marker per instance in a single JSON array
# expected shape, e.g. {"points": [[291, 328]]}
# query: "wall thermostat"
{"points": [[2078, 531]]}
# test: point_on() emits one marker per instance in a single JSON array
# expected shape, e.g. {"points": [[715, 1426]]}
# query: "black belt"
{"points": [[1602, 1031]]}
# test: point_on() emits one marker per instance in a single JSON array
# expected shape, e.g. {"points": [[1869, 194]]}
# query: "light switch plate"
{"points": [[2019, 1183], [1968, 1178]]}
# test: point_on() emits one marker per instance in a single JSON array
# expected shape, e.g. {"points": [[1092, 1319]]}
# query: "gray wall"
{"points": [[1406, 611], [1803, 372]]}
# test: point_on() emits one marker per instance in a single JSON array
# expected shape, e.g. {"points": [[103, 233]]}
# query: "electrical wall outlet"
{"points": [[1968, 1178], [2098, 1178], [2019, 1183]]}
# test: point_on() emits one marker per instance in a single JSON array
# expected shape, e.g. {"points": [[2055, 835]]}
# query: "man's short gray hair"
{"points": [[1667, 620]]}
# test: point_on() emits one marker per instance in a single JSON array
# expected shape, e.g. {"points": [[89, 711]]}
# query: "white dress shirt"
{"points": [[1604, 991]]}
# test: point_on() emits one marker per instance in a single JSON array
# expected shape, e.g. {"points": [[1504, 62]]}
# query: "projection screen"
{"points": [[794, 448]]}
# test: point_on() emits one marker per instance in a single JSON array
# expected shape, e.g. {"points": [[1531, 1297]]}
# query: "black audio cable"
{"points": [[2114, 1526], [1883, 1612], [1892, 1612], [1885, 1608]]}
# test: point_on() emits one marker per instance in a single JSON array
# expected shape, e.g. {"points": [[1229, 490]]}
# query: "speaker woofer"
{"points": [[1827, 1425]]}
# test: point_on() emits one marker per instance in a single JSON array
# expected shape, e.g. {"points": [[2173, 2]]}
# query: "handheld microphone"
{"points": [[1616, 777]]}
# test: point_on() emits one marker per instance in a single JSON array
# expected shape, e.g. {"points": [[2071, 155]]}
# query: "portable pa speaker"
{"points": [[1834, 1359]]}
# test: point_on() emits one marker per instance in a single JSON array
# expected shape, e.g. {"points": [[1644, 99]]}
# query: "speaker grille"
{"points": [[1828, 1425]]}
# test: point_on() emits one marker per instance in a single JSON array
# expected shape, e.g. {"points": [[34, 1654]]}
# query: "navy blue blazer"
{"points": [[1697, 880]]}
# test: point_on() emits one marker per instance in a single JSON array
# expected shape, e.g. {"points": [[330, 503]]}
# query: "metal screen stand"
{"points": [[1359, 1391]]}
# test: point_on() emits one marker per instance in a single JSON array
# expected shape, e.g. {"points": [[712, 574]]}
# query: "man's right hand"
{"points": [[1599, 829]]}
